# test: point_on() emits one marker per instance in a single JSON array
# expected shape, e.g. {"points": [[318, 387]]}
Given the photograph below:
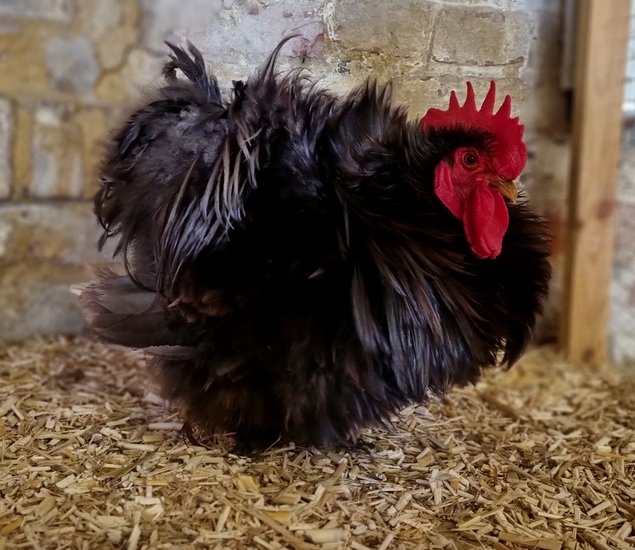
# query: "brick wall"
{"points": [[71, 68]]}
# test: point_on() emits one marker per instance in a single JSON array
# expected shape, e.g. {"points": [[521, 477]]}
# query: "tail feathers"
{"points": [[122, 312], [194, 70], [171, 353]]}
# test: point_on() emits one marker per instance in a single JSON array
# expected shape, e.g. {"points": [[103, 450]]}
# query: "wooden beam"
{"points": [[602, 38]]}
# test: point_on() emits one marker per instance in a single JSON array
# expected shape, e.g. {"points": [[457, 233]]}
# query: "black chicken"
{"points": [[300, 265]]}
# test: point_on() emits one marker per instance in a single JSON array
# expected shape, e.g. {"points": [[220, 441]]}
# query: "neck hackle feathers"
{"points": [[508, 147]]}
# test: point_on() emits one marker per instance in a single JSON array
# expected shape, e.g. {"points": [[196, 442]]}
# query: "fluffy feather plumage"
{"points": [[291, 272]]}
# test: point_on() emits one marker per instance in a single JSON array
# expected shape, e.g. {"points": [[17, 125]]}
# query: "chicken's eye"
{"points": [[470, 160]]}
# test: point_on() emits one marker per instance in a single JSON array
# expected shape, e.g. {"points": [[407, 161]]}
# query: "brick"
{"points": [[98, 17], [44, 248], [420, 91], [111, 25], [72, 64], [23, 59], [480, 36], [6, 134], [230, 38], [56, 161], [400, 27], [235, 40], [484, 3], [59, 233], [536, 5], [22, 148], [43, 307], [51, 10], [163, 17], [93, 125], [141, 69], [64, 152]]}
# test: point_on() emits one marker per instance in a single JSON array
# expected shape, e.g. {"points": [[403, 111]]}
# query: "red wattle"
{"points": [[485, 221], [483, 212]]}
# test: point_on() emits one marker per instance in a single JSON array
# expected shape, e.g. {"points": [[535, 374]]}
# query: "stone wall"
{"points": [[71, 68]]}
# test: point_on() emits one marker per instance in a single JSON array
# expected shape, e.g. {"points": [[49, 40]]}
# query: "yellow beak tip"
{"points": [[507, 188]]}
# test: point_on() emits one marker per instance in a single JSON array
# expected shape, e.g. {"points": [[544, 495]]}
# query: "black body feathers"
{"points": [[291, 272]]}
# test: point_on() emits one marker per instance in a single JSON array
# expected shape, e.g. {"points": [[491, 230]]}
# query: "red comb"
{"points": [[510, 153]]}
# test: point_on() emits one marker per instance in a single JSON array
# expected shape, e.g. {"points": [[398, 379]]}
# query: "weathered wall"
{"points": [[69, 69], [622, 321]]}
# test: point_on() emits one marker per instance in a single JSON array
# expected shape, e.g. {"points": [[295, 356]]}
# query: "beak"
{"points": [[507, 188]]}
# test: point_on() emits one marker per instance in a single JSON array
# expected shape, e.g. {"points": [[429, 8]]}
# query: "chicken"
{"points": [[300, 266]]}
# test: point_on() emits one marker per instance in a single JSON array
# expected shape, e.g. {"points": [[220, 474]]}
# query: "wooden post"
{"points": [[602, 38]]}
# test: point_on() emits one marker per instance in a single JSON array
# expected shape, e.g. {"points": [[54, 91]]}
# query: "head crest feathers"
{"points": [[509, 150]]}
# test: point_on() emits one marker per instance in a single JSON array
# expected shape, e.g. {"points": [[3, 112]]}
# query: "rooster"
{"points": [[300, 266]]}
